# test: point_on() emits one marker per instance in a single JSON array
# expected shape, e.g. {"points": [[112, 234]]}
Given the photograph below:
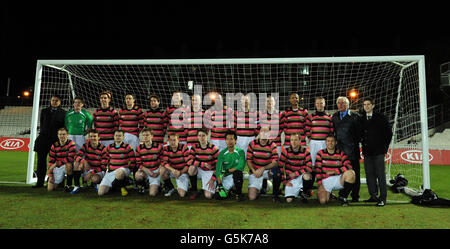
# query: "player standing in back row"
{"points": [[293, 120], [106, 119], [77, 122], [156, 119], [130, 121]]}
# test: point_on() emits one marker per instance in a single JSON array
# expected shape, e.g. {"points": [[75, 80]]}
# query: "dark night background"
{"points": [[124, 30]]}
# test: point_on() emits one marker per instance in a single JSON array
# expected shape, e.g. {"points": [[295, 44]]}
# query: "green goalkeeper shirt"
{"points": [[229, 160], [77, 122]]}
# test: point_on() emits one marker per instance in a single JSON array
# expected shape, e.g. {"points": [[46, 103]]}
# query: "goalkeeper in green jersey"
{"points": [[230, 164], [77, 121]]}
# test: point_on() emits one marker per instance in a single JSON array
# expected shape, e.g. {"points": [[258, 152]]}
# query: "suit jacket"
{"points": [[348, 133], [376, 134], [50, 122]]}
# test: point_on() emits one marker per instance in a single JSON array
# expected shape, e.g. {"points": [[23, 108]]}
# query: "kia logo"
{"points": [[12, 144], [414, 156]]}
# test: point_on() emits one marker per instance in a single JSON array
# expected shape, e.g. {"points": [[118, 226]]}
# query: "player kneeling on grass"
{"points": [[262, 155], [119, 160], [203, 159], [230, 164], [174, 162], [333, 172], [296, 168], [61, 158], [148, 161], [90, 159]]}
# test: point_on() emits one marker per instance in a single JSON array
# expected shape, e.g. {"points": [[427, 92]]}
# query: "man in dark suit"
{"points": [[51, 119], [347, 130], [376, 137]]}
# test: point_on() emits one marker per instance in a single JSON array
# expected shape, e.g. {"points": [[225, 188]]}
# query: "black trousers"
{"points": [[375, 176], [41, 170], [356, 187]]}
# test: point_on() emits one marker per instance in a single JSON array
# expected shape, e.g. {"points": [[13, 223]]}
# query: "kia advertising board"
{"points": [[14, 144]]}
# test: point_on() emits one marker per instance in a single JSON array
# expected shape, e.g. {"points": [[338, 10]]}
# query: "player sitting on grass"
{"points": [[295, 166], [203, 160], [262, 155], [148, 161], [174, 162], [119, 159], [90, 159], [61, 157], [333, 172]]}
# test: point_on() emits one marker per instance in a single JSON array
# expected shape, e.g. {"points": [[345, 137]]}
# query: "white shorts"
{"points": [[221, 144], [154, 180], [254, 182], [332, 183], [206, 176], [101, 174], [111, 176], [297, 184], [79, 141], [132, 140], [58, 174], [228, 182], [314, 147], [182, 181], [243, 142]]}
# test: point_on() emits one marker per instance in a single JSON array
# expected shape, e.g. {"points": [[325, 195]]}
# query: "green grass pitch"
{"points": [[24, 207]]}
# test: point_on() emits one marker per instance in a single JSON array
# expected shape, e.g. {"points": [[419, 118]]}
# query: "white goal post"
{"points": [[398, 80]]}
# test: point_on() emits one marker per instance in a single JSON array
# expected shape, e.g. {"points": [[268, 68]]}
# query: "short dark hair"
{"points": [[147, 129], [92, 131], [370, 99], [119, 130], [155, 96], [331, 135], [56, 96], [63, 129], [231, 132], [203, 129], [82, 101], [173, 134]]}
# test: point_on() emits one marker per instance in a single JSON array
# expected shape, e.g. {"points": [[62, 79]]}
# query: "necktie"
{"points": [[369, 117], [342, 115]]}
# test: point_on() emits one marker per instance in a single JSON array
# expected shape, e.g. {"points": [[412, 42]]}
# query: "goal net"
{"points": [[396, 82]]}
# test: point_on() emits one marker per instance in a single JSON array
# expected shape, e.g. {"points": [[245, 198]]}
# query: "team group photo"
{"points": [[143, 150], [236, 125]]}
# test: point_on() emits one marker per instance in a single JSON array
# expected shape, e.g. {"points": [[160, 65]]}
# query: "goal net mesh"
{"points": [[395, 91]]}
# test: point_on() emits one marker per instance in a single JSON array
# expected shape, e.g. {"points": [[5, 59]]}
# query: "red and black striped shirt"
{"points": [[273, 120], [325, 161], [119, 157], [194, 122], [176, 119], [246, 123], [318, 125], [149, 157], [298, 162], [156, 119], [131, 120], [294, 122], [200, 157], [106, 121], [62, 154], [176, 159], [95, 157], [219, 124], [261, 155]]}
